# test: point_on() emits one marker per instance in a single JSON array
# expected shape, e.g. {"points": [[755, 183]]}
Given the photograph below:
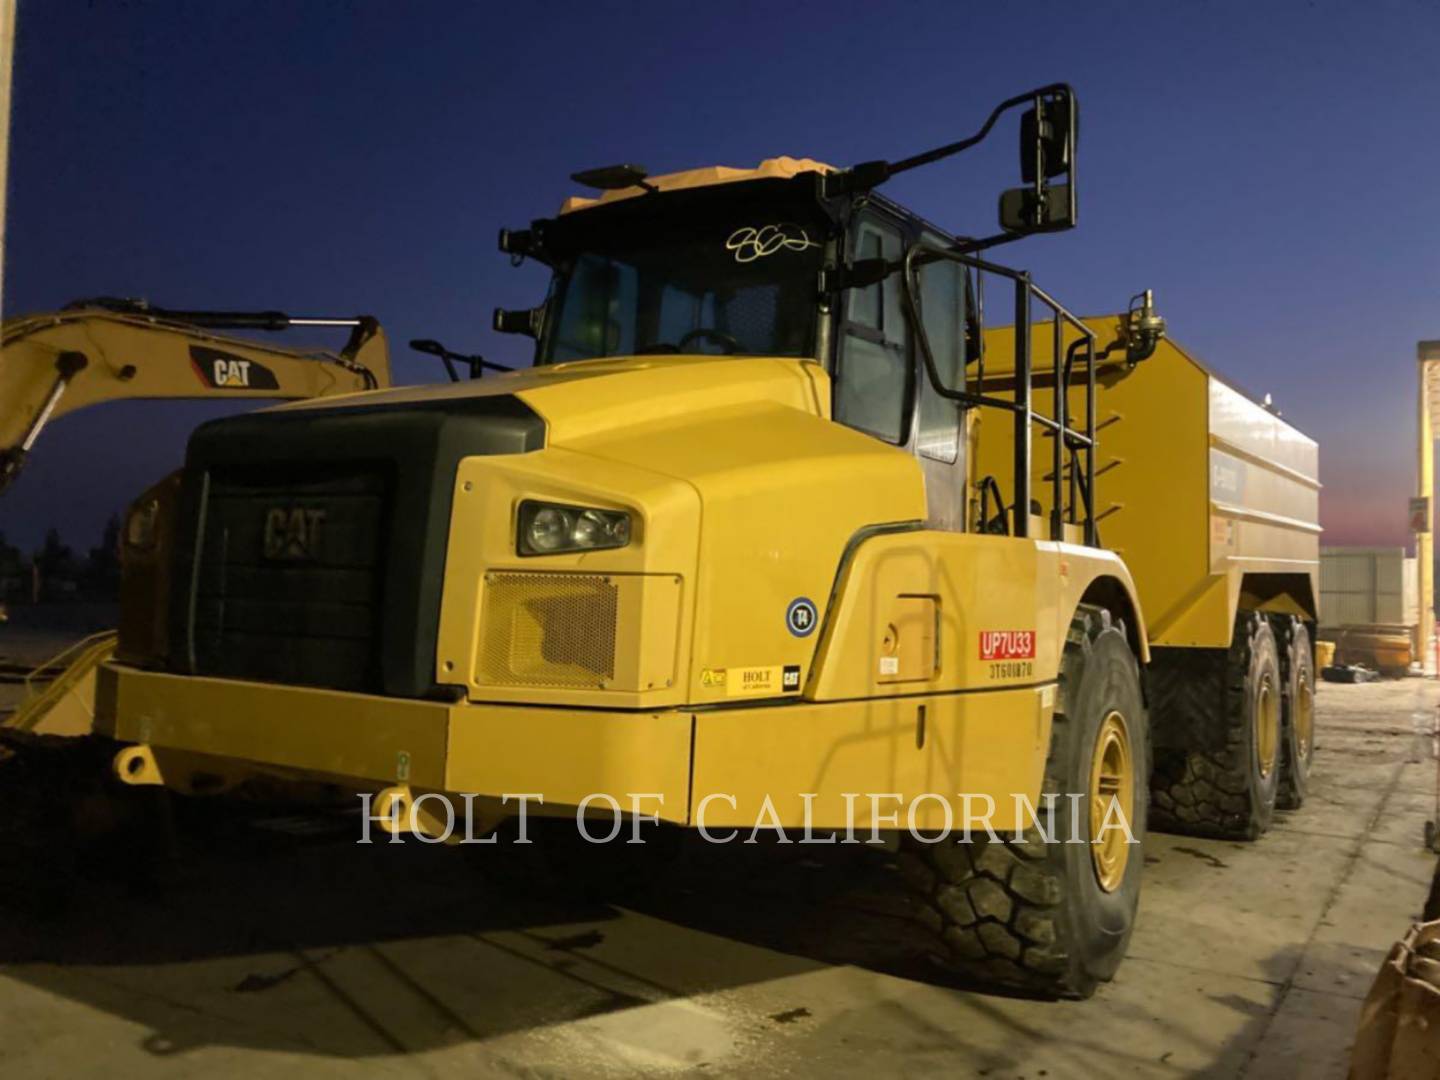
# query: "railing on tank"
{"points": [[1078, 443]]}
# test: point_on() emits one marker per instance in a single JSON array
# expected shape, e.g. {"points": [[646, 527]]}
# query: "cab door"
{"points": [[880, 385], [874, 374]]}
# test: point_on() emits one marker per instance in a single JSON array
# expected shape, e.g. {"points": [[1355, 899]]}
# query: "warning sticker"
{"points": [[1222, 532]]}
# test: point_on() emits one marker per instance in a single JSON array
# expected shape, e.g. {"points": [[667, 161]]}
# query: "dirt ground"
{"points": [[281, 948]]}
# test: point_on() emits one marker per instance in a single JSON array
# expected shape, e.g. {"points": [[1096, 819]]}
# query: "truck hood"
{"points": [[588, 397]]}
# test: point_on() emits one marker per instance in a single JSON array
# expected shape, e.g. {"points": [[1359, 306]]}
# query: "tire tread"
{"points": [[998, 905], [1207, 793]]}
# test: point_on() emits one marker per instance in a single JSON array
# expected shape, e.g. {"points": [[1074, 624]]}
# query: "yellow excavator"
{"points": [[97, 351], [103, 350], [93, 352]]}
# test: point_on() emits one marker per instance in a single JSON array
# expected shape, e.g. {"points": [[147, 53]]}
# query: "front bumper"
{"points": [[374, 741], [816, 764]]}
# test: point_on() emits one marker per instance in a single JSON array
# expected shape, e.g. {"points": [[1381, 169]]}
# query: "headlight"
{"points": [[549, 528]]}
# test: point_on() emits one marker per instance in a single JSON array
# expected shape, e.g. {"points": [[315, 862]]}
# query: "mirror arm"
{"points": [[477, 363], [871, 174], [857, 178], [966, 247]]}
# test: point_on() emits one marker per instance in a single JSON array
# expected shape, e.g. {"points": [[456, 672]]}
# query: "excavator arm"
{"points": [[96, 351]]}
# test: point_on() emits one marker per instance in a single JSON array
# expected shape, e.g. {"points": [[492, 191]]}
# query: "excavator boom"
{"points": [[107, 350]]}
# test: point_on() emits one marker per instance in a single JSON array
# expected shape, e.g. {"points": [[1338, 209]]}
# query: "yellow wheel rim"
{"points": [[1304, 718], [1267, 725], [1112, 800]]}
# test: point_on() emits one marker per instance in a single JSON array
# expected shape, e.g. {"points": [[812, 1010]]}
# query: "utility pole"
{"points": [[7, 69]]}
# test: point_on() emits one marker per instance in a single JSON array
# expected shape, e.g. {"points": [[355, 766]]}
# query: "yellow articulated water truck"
{"points": [[777, 531]]}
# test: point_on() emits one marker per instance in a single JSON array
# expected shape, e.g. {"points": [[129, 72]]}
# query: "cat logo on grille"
{"points": [[292, 533]]}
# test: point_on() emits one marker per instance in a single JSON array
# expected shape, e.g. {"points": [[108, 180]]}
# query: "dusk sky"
{"points": [[1268, 169]]}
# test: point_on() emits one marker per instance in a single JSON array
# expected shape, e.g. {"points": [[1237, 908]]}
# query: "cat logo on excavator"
{"points": [[225, 371]]}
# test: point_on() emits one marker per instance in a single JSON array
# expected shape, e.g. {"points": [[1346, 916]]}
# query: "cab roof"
{"points": [[776, 168]]}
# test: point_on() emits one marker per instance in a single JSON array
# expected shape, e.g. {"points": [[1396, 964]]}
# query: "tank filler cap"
{"points": [[1144, 328]]}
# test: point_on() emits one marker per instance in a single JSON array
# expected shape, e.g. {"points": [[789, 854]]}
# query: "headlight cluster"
{"points": [[550, 528]]}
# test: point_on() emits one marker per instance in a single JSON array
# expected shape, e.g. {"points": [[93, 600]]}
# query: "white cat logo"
{"points": [[225, 371], [232, 373]]}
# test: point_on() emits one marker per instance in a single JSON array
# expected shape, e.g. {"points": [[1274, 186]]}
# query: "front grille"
{"points": [[355, 500], [548, 630], [288, 585]]}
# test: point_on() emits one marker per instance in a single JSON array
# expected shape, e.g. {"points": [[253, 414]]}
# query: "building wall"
{"points": [[1363, 586]]}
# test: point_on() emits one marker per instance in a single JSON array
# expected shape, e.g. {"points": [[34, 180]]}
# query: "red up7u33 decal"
{"points": [[1007, 644]]}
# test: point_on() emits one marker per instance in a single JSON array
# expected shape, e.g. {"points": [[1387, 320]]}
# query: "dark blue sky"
{"points": [[1269, 169]]}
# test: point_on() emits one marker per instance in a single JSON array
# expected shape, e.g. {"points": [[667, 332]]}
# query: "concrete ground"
{"points": [[282, 948]]}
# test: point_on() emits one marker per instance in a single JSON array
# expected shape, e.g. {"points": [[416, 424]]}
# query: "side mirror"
{"points": [[1022, 211], [523, 321], [1048, 132], [1047, 139]]}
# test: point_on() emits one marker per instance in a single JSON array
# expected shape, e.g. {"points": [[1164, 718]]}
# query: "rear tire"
{"points": [[1298, 736], [1053, 919], [1230, 793]]}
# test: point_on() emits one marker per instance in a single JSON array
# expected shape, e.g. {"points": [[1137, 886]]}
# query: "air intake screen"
{"points": [[548, 630]]}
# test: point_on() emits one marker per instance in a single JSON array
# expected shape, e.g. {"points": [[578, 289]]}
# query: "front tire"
{"points": [[1054, 918]]}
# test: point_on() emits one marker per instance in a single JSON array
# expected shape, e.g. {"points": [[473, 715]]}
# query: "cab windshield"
{"points": [[669, 274]]}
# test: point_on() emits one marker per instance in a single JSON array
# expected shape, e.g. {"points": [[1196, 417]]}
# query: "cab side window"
{"points": [[872, 367]]}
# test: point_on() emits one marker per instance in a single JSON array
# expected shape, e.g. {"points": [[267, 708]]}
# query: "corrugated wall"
{"points": [[1366, 587]]}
